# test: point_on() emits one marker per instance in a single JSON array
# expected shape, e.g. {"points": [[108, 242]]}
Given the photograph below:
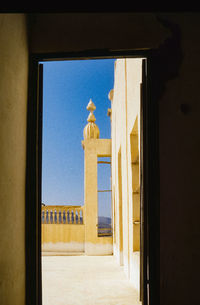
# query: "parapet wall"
{"points": [[63, 238], [63, 231]]}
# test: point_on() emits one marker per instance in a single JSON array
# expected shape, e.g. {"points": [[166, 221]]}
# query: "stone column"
{"points": [[91, 197], [91, 134]]}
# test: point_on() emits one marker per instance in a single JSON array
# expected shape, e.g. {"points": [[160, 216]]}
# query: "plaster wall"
{"points": [[13, 105], [133, 81], [125, 113], [118, 135], [179, 172], [63, 237], [94, 245], [70, 32]]}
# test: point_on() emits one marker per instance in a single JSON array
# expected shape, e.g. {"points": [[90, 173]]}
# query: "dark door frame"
{"points": [[33, 170]]}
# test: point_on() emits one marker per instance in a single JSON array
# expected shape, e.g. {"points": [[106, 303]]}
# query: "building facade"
{"points": [[125, 122]]}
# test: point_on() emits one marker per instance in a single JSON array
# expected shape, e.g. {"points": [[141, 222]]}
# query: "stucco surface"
{"points": [[125, 177], [13, 107], [85, 280], [53, 32]]}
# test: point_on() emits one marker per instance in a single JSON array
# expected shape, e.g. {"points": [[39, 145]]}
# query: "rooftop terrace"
{"points": [[85, 280]]}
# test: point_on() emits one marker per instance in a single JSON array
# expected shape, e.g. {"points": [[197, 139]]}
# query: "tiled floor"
{"points": [[85, 280]]}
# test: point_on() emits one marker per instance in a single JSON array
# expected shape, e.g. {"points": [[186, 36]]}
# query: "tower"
{"points": [[93, 148]]}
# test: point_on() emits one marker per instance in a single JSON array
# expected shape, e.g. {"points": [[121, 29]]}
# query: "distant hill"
{"points": [[104, 226], [104, 222]]}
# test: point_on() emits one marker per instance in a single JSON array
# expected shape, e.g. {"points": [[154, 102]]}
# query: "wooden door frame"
{"points": [[33, 172]]}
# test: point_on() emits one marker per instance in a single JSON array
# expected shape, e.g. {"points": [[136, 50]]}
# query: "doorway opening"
{"points": [[68, 86], [81, 236]]}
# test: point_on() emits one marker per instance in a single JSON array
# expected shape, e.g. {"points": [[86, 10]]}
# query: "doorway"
{"points": [[39, 116]]}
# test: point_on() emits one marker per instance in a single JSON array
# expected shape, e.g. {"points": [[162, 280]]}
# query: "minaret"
{"points": [[91, 130], [93, 148]]}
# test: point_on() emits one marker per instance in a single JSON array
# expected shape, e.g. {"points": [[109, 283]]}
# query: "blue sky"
{"points": [[68, 87]]}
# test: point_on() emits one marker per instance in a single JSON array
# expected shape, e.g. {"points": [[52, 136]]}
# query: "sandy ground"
{"points": [[85, 280]]}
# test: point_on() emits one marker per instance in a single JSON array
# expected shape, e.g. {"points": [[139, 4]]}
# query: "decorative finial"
{"points": [[91, 130], [91, 117], [91, 106]]}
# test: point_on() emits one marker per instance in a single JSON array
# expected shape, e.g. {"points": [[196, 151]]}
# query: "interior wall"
{"points": [[13, 101], [179, 135], [179, 138], [71, 32]]}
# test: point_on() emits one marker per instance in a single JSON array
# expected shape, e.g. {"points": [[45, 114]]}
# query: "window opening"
{"points": [[104, 197]]}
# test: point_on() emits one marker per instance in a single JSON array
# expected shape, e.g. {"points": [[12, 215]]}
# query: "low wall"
{"points": [[63, 231], [63, 238], [100, 246]]}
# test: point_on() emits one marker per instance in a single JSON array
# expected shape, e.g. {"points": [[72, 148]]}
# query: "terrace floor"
{"points": [[85, 280]]}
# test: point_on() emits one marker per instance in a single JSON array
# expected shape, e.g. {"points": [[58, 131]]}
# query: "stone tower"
{"points": [[93, 148]]}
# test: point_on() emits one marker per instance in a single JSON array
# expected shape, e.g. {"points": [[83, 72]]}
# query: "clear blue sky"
{"points": [[68, 87]]}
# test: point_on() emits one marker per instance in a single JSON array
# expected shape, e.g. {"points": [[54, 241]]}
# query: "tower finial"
{"points": [[91, 117], [91, 106], [91, 130]]}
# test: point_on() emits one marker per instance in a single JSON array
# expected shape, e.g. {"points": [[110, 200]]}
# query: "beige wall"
{"points": [[94, 245], [63, 237], [125, 118], [13, 105], [63, 229]]}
